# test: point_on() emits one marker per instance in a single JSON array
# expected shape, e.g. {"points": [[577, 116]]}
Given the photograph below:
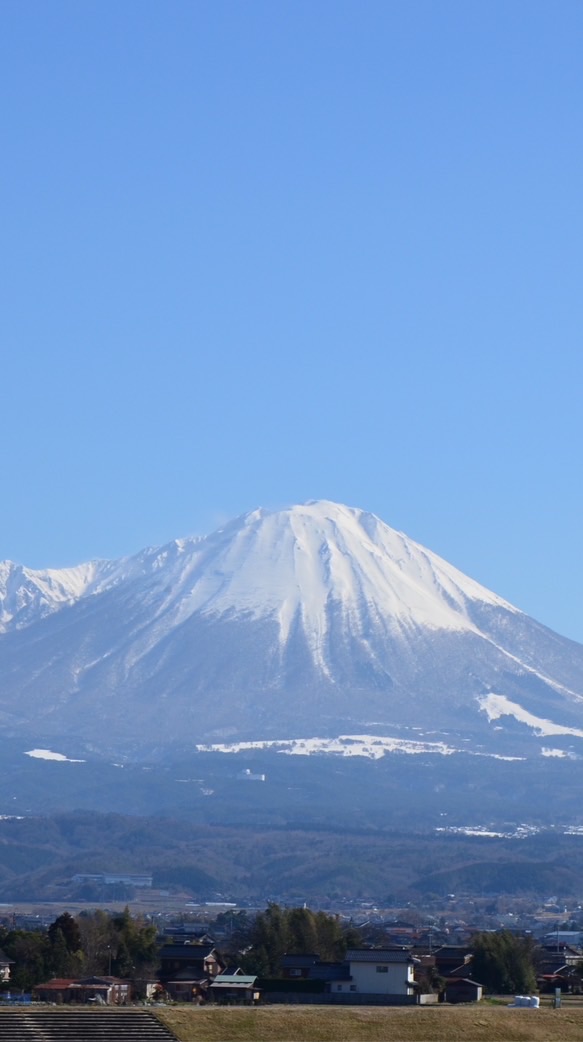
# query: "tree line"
{"points": [[121, 945], [93, 943]]}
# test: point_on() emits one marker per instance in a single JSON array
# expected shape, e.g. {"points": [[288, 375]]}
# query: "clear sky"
{"points": [[265, 251]]}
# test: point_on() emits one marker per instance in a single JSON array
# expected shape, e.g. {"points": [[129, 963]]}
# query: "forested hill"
{"points": [[40, 855]]}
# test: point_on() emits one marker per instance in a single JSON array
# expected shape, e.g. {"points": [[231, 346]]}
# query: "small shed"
{"points": [[462, 989]]}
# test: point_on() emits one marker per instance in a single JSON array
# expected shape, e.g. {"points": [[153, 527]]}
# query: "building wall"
{"points": [[380, 978]]}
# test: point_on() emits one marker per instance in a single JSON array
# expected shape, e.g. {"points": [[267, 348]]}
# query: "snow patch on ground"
{"points": [[371, 746], [476, 831], [496, 706], [560, 754], [47, 754], [520, 832]]}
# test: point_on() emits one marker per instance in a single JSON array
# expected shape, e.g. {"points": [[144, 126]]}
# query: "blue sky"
{"points": [[262, 252]]}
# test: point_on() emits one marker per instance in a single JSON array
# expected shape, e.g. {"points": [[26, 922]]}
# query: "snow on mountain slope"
{"points": [[289, 565], [317, 614], [25, 595], [296, 562]]}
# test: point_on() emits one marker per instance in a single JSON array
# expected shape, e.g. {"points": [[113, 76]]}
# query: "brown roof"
{"points": [[57, 983]]}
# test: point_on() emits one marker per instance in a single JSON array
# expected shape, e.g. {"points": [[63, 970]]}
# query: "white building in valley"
{"points": [[381, 971]]}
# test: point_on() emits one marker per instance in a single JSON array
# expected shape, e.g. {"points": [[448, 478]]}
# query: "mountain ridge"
{"points": [[95, 576], [306, 622]]}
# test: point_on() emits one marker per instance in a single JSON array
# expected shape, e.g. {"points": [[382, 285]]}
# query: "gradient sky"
{"points": [[256, 253]]}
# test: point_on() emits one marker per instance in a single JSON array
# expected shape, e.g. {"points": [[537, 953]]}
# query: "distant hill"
{"points": [[40, 856]]}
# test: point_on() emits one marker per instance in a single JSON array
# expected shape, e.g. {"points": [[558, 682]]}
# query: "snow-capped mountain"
{"points": [[306, 623]]}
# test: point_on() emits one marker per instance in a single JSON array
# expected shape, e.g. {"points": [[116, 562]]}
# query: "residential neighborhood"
{"points": [[249, 959]]}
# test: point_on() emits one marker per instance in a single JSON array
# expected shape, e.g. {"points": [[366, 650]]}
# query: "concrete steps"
{"points": [[82, 1026]]}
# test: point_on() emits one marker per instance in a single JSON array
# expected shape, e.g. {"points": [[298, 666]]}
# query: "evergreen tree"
{"points": [[30, 951], [278, 931], [62, 961], [69, 929], [137, 946], [269, 938], [301, 930], [503, 962]]}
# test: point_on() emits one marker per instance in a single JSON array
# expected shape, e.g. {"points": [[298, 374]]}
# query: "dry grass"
{"points": [[479, 1023]]}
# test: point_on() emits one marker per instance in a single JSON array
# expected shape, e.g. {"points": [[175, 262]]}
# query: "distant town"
{"points": [[171, 949]]}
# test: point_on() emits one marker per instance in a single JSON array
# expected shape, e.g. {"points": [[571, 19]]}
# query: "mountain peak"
{"points": [[298, 562], [317, 612]]}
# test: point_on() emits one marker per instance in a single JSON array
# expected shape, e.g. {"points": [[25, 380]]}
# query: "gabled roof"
{"points": [[380, 955], [227, 980], [99, 980], [61, 983], [56, 983]]}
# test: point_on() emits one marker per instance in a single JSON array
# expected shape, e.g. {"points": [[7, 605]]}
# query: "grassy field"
{"points": [[476, 1023]]}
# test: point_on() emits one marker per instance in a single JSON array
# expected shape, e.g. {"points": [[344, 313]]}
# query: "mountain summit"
{"points": [[317, 620]]}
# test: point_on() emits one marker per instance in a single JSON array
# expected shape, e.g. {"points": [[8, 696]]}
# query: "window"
{"points": [[295, 972], [353, 987], [382, 969], [338, 987]]}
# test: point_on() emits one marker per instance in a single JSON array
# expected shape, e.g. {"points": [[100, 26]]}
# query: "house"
{"points": [[367, 976], [559, 967], [103, 991], [187, 969], [380, 971], [567, 978], [234, 988], [5, 964], [364, 971], [54, 990], [108, 991], [554, 957]]}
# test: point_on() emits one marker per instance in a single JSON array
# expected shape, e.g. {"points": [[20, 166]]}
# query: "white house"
{"points": [[5, 964], [380, 971]]}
